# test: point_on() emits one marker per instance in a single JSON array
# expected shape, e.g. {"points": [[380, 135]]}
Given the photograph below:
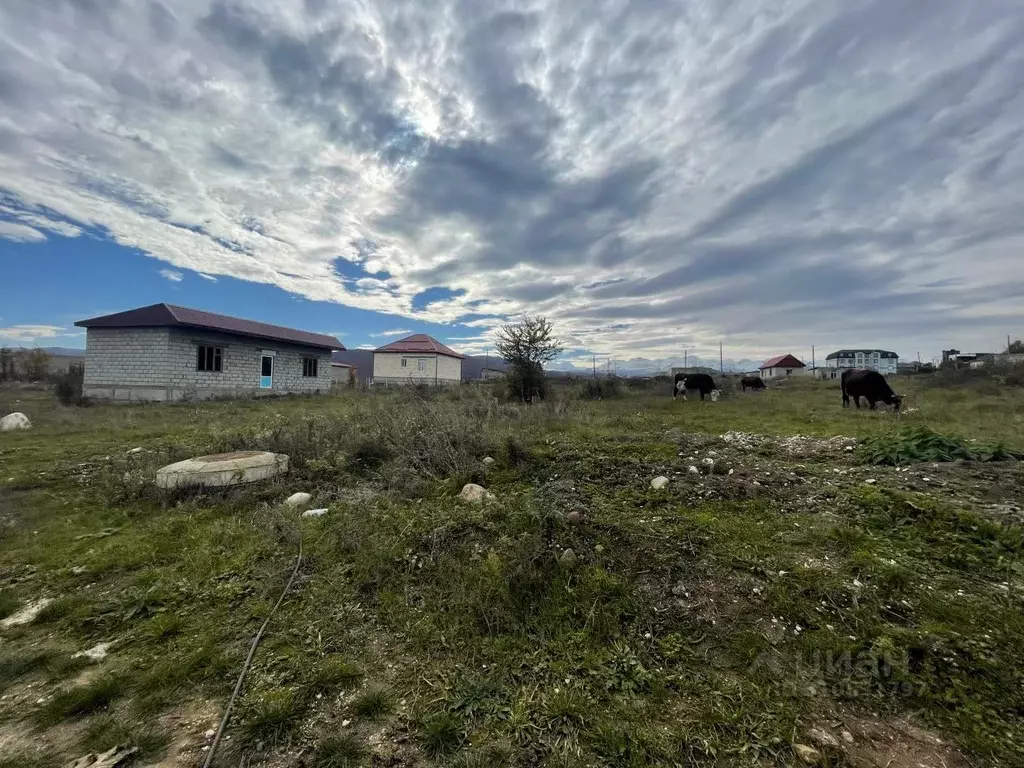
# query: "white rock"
{"points": [[14, 421], [475, 494], [823, 738], [96, 653], [315, 512], [222, 469], [847, 737], [659, 482], [133, 451], [488, 461], [27, 614], [568, 559], [809, 755], [693, 470], [298, 500], [871, 481], [210, 733]]}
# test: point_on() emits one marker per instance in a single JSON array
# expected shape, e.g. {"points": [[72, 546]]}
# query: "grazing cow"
{"points": [[871, 385], [695, 381], [754, 382]]}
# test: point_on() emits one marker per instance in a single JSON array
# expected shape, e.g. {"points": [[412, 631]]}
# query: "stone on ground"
{"points": [[96, 653], [298, 500], [488, 461], [568, 559], [659, 482], [27, 614], [14, 421], [575, 517], [475, 494], [222, 469], [823, 738], [809, 755], [315, 512]]}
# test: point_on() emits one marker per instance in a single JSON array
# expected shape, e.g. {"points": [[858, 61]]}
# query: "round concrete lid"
{"points": [[222, 469]]}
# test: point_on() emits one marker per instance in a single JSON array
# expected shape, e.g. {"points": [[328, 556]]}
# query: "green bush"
{"points": [[600, 389], [68, 386]]}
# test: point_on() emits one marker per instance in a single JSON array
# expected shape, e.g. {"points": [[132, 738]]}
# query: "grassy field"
{"points": [[784, 601]]}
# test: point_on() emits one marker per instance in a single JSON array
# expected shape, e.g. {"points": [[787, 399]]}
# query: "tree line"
{"points": [[24, 364]]}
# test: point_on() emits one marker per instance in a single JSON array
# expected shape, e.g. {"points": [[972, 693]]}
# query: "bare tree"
{"points": [[37, 364], [526, 346]]}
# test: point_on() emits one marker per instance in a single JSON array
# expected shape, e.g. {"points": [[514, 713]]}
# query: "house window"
{"points": [[209, 358], [309, 366], [405, 363], [421, 364]]}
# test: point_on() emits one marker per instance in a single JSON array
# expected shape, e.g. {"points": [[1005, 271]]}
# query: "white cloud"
{"points": [[394, 332], [10, 230], [205, 276], [173, 275], [21, 334], [653, 178]]}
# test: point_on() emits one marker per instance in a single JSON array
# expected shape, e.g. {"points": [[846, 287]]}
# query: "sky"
{"points": [[653, 175]]}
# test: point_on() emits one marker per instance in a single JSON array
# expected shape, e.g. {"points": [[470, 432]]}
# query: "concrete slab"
{"points": [[222, 469]]}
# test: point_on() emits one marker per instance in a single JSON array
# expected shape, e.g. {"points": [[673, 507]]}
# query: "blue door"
{"points": [[266, 371]]}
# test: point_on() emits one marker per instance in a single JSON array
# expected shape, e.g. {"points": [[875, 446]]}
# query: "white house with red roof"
{"points": [[780, 367], [417, 359]]}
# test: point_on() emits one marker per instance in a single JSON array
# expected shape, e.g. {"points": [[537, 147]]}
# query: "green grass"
{"points": [[715, 620], [372, 704], [340, 752], [81, 700]]}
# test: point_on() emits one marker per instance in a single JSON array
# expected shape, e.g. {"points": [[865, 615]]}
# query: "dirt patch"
{"points": [[191, 731], [899, 744]]}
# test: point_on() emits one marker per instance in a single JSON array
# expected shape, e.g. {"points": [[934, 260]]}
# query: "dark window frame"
{"points": [[209, 359], [310, 367]]}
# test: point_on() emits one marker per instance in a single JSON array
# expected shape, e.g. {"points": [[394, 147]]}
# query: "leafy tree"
{"points": [[37, 364], [1016, 348], [6, 364], [526, 346]]}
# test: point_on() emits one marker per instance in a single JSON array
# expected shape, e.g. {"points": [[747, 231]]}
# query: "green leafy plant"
{"points": [[919, 443]]}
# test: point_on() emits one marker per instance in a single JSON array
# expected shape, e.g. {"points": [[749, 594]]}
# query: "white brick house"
{"points": [[880, 360], [417, 359], [165, 352]]}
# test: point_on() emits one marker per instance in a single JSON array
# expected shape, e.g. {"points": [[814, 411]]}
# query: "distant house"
{"points": [[417, 359], [780, 367], [166, 352], [342, 373], [492, 373], [880, 360]]}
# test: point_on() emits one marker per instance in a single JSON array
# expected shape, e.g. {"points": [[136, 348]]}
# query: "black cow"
{"points": [[862, 382], [754, 382], [698, 381]]}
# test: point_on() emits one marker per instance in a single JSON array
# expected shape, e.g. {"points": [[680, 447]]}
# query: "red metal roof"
{"points": [[782, 361], [171, 316], [420, 343]]}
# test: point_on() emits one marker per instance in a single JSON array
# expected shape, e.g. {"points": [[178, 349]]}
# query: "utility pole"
{"points": [[1008, 343], [721, 360], [594, 361], [684, 361], [814, 364]]}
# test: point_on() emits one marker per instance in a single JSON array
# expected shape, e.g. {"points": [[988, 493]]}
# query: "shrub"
{"points": [[270, 717], [600, 389], [68, 386]]}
